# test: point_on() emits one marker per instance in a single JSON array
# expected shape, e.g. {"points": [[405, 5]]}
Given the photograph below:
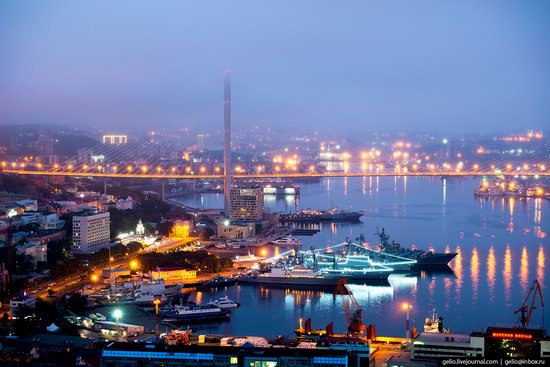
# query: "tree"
{"points": [[45, 311], [207, 233], [77, 303], [134, 246], [51, 292]]}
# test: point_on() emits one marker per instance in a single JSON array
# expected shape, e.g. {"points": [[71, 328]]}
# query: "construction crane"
{"points": [[527, 307]]}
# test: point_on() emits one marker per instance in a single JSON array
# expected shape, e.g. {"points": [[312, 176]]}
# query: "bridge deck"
{"points": [[275, 175]]}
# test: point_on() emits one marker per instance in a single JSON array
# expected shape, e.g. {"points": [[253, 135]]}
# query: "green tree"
{"points": [[134, 246]]}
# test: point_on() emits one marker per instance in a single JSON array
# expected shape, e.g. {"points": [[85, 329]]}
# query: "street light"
{"points": [[157, 303], [117, 314], [407, 307], [134, 264]]}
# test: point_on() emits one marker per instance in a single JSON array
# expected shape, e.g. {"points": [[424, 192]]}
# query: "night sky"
{"points": [[453, 66]]}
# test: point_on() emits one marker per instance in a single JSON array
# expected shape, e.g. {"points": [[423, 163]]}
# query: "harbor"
{"points": [[497, 254]]}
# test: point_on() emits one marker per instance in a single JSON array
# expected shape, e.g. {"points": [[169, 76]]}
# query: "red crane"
{"points": [[527, 307]]}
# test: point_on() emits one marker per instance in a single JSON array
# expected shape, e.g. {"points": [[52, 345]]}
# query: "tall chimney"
{"points": [[227, 142]]}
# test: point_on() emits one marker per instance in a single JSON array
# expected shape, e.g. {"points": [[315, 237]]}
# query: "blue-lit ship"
{"points": [[423, 258]]}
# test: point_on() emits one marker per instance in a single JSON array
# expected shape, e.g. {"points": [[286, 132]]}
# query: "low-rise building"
{"points": [[124, 203], [438, 345], [181, 229], [10, 197], [18, 303], [173, 274], [227, 229], [205, 355], [28, 204]]}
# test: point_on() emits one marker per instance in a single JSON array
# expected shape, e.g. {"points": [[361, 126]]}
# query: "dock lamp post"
{"points": [[157, 303], [117, 314], [407, 307]]}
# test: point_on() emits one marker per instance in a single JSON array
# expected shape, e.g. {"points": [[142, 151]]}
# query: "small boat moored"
{"points": [[224, 303]]}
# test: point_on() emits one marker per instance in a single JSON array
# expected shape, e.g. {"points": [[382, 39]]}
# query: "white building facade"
{"points": [[91, 232]]}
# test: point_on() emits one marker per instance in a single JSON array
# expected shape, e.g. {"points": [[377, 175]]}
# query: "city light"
{"points": [[94, 278], [134, 264]]}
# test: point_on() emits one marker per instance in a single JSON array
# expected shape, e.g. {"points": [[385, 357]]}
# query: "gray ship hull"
{"points": [[294, 281]]}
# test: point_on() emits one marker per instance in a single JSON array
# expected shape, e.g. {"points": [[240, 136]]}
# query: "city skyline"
{"points": [[373, 66]]}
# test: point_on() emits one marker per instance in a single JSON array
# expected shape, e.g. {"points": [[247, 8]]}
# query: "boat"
{"points": [[358, 275], [97, 316], [224, 303], [192, 312], [248, 258], [434, 324], [297, 276], [356, 262], [147, 299], [281, 190], [219, 281], [423, 258], [287, 241], [317, 216], [157, 288]]}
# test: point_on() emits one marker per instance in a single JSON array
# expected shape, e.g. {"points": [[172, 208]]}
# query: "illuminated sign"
{"points": [[115, 139], [512, 335]]}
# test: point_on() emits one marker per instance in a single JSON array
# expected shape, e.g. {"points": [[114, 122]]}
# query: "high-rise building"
{"points": [[200, 141], [246, 204], [91, 232]]}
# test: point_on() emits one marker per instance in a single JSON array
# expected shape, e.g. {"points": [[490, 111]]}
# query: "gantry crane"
{"points": [[527, 307]]}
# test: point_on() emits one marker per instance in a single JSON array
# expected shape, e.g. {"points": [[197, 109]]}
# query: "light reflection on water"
{"points": [[474, 273], [500, 243], [491, 272]]}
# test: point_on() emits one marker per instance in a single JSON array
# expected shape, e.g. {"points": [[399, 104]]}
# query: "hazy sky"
{"points": [[454, 66]]}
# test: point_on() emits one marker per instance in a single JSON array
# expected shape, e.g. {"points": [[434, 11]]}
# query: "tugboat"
{"points": [[423, 258]]}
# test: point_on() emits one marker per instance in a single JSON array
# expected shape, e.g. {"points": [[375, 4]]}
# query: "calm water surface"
{"points": [[503, 246]]}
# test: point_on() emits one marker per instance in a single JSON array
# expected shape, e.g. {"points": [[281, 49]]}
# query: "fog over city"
{"points": [[463, 66]]}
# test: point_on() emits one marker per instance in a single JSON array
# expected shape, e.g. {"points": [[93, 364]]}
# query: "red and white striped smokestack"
{"points": [[227, 141]]}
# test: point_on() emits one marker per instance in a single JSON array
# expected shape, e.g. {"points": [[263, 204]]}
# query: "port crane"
{"points": [[355, 326], [527, 307]]}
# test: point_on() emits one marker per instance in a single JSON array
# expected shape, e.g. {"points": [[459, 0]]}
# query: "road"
{"points": [[74, 283]]}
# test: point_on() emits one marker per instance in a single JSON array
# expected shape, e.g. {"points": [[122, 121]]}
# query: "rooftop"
{"points": [[442, 338]]}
